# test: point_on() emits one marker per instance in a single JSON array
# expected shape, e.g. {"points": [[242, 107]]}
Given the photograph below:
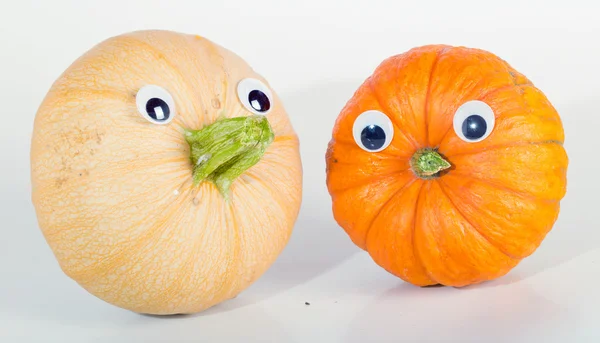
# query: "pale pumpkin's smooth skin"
{"points": [[114, 193], [479, 218]]}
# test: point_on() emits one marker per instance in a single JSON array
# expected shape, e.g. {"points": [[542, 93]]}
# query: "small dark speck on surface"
{"points": [[306, 303], [335, 160]]}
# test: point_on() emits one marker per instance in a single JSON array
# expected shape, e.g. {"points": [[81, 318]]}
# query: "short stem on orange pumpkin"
{"points": [[224, 150], [426, 163]]}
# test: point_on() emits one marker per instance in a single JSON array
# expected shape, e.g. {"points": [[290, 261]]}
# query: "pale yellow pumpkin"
{"points": [[114, 192]]}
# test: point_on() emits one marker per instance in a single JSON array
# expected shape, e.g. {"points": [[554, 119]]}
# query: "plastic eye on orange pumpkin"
{"points": [[373, 131], [474, 121]]}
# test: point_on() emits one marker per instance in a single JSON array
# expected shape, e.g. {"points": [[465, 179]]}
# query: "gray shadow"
{"points": [[432, 314]]}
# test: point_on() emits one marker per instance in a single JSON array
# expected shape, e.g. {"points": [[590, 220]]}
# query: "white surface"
{"points": [[315, 53]]}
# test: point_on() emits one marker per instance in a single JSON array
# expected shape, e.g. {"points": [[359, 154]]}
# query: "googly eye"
{"points": [[373, 131], [155, 104], [474, 121], [255, 96]]}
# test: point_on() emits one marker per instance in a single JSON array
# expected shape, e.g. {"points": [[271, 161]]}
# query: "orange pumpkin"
{"points": [[447, 166]]}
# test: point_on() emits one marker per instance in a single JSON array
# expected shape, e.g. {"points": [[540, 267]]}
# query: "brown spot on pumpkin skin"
{"points": [[195, 201], [216, 103], [60, 181], [550, 141]]}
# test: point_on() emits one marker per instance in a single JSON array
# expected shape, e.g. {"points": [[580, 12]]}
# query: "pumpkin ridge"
{"points": [[178, 284], [414, 230], [172, 290], [511, 145], [285, 138], [508, 189], [224, 75], [390, 257], [396, 193], [498, 218], [228, 274], [387, 110], [373, 180], [151, 233], [428, 94], [251, 187], [384, 153], [73, 180], [449, 129], [442, 185], [162, 57], [491, 92], [56, 232]]}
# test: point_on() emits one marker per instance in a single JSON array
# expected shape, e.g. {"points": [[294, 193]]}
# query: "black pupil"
{"points": [[474, 127], [259, 101], [158, 109], [372, 137]]}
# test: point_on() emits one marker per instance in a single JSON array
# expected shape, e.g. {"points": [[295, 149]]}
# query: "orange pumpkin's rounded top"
{"points": [[456, 162]]}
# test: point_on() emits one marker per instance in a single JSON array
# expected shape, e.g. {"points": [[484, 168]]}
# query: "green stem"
{"points": [[427, 163], [224, 150]]}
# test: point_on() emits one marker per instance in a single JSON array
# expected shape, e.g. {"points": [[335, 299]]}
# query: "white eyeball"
{"points": [[373, 131], [155, 104], [255, 96], [474, 121]]}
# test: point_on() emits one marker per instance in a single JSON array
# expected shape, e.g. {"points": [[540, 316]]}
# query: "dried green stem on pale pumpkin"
{"points": [[224, 150]]}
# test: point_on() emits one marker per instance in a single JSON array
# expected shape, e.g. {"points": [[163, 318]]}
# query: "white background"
{"points": [[315, 54]]}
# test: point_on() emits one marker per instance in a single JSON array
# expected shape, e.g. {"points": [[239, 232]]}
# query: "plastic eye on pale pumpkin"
{"points": [[373, 131], [474, 121], [155, 104], [255, 96]]}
